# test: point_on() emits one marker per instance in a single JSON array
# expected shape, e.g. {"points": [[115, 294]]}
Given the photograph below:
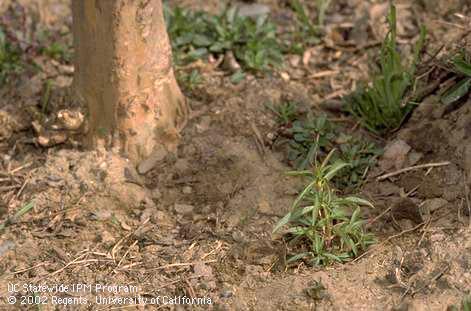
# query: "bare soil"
{"points": [[199, 223]]}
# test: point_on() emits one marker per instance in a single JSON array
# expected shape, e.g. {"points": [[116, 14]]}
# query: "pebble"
{"points": [[204, 124], [156, 194], [437, 237], [395, 154], [226, 294], [434, 204], [157, 155], [187, 190], [6, 246], [184, 209]]}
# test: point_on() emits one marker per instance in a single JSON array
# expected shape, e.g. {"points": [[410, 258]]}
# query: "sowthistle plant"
{"points": [[320, 223]]}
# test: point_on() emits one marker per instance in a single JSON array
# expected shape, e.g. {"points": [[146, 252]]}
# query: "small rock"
{"points": [[295, 60], [187, 190], [156, 194], [434, 204], [102, 214], [204, 124], [226, 294], [157, 155], [6, 246], [387, 188], [307, 57], [181, 166], [107, 237], [147, 213], [264, 207], [130, 175], [230, 63], [184, 209], [238, 236], [406, 224], [285, 76], [267, 260], [202, 270], [253, 10], [414, 157], [405, 208], [437, 237], [395, 155]]}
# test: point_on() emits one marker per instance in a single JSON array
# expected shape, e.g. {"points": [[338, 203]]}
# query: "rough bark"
{"points": [[124, 75]]}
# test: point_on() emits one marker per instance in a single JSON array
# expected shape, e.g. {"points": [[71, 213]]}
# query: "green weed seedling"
{"points": [[58, 51], [10, 58], [286, 112], [196, 34], [379, 106], [312, 138], [360, 154], [191, 80], [465, 305], [462, 66], [189, 32], [319, 224], [305, 31]]}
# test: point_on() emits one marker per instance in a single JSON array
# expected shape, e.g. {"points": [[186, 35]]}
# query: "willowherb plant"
{"points": [[319, 223]]}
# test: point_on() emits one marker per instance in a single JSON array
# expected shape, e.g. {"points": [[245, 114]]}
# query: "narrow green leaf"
{"points": [[456, 92], [337, 166], [283, 221], [297, 257], [462, 66]]}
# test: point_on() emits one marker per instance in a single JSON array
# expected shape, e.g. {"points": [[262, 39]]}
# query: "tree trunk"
{"points": [[124, 75]]}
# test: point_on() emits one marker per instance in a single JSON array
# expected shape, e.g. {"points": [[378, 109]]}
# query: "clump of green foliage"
{"points": [[320, 221], [310, 139], [57, 51], [190, 80], [196, 34], [10, 58], [465, 305], [56, 45], [462, 66], [306, 30], [380, 106], [285, 113]]}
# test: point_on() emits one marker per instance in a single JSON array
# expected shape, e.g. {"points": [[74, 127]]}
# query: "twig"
{"points": [[115, 248], [20, 168], [380, 215], [30, 268], [386, 241], [433, 279], [180, 264], [65, 267], [411, 168], [125, 254]]}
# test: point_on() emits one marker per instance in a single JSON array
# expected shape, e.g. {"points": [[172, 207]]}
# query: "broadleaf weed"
{"points": [[319, 223]]}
